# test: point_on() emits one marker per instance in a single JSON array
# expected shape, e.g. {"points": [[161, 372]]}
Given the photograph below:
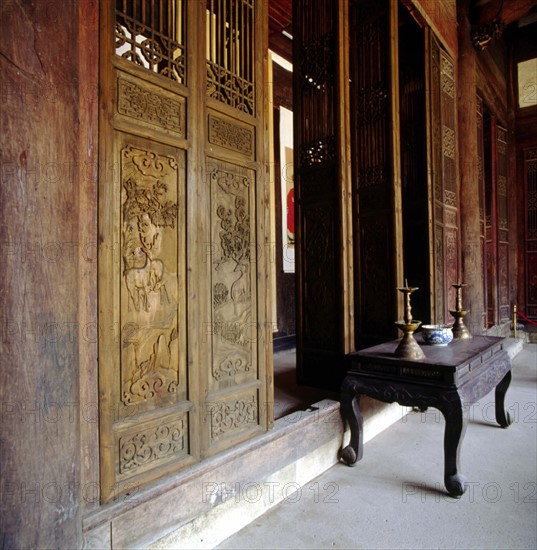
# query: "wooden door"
{"points": [[530, 222], [323, 226], [376, 189], [502, 194], [497, 220], [443, 180], [482, 216], [183, 368]]}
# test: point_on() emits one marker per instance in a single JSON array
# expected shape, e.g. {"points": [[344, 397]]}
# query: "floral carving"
{"points": [[235, 233], [233, 329]]}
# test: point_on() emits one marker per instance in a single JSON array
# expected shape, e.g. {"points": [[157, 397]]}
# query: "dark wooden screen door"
{"points": [[183, 365], [376, 180], [530, 222], [324, 247]]}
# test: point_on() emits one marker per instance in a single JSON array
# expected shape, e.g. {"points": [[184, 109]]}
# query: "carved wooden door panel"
{"points": [[182, 367], [236, 386], [482, 217], [497, 221], [503, 225], [444, 209], [489, 133]]}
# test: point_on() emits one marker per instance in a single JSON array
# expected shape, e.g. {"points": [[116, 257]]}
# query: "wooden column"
{"points": [[40, 484], [472, 262]]}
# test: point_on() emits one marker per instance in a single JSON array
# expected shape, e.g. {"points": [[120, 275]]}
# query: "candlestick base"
{"points": [[408, 348], [460, 330]]}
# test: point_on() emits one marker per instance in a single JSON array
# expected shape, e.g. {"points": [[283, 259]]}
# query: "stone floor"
{"points": [[394, 497]]}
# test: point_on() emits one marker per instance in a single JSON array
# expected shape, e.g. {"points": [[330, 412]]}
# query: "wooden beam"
{"points": [[506, 10]]}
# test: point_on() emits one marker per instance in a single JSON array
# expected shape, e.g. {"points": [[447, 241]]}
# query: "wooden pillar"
{"points": [[40, 486], [472, 261]]}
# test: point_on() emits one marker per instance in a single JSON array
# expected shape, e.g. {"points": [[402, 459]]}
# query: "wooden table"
{"points": [[449, 378]]}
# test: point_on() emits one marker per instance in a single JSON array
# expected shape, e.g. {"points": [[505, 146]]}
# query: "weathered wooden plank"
{"points": [[39, 274]]}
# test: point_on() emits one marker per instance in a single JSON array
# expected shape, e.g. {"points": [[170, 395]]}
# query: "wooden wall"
{"points": [[48, 177]]}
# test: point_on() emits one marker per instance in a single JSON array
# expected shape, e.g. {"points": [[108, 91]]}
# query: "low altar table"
{"points": [[449, 378]]}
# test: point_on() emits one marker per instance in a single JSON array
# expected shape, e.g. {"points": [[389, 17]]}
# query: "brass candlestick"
{"points": [[460, 330], [408, 347]]}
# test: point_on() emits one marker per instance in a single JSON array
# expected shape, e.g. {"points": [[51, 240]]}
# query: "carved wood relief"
{"points": [[149, 293], [442, 120], [234, 330], [227, 417], [231, 135], [157, 442], [149, 104], [159, 370]]}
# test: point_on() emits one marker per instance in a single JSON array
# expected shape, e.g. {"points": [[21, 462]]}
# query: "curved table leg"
{"points": [[502, 416], [350, 408], [456, 421]]}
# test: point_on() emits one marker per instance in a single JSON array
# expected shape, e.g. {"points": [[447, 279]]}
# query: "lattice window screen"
{"points": [[150, 33], [229, 46]]}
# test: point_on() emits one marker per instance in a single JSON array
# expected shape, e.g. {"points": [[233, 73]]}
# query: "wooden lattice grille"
{"points": [[317, 59], [230, 41], [150, 33]]}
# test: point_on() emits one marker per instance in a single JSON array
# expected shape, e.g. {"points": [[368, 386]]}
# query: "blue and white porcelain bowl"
{"points": [[437, 335]]}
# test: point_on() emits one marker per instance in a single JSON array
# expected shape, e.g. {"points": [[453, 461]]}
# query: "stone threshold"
{"points": [[209, 502]]}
